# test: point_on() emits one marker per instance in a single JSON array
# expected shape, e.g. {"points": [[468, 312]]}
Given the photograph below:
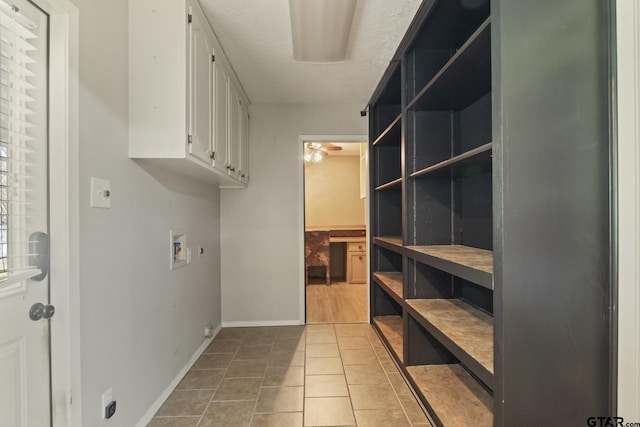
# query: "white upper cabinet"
{"points": [[201, 91], [244, 143], [220, 115], [184, 96], [234, 132]]}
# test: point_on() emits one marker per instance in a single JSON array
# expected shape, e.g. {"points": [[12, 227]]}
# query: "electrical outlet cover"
{"points": [[100, 193]]}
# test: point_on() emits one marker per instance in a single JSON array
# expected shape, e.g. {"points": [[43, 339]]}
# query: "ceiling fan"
{"points": [[316, 151]]}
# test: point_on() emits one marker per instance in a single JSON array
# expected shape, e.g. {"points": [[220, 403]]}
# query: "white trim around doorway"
{"points": [[628, 129], [64, 210]]}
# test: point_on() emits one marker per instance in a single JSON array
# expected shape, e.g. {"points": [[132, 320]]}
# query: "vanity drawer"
{"points": [[357, 246]]}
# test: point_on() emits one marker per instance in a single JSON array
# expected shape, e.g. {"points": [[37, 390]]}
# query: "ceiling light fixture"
{"points": [[320, 29]]}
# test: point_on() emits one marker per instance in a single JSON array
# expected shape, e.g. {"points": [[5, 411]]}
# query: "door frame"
{"points": [[64, 210], [628, 207], [301, 267]]}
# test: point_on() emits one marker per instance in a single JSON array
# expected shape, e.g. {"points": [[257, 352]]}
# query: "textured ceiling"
{"points": [[256, 36]]}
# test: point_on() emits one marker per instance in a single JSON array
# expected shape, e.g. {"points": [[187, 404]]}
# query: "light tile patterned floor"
{"points": [[314, 375]]}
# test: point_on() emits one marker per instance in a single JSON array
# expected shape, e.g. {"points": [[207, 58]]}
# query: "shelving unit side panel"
{"points": [[554, 279]]}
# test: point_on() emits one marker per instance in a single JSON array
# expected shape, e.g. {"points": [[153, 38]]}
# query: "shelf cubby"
{"points": [[473, 264], [391, 283], [391, 330], [463, 79], [453, 395], [464, 330], [440, 137], [448, 25]]}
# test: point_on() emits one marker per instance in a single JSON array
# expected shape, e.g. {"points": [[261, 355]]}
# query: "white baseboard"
{"points": [[262, 323], [148, 416]]}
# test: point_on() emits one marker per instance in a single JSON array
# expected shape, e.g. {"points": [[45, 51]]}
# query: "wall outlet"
{"points": [[100, 193], [110, 410], [107, 398]]}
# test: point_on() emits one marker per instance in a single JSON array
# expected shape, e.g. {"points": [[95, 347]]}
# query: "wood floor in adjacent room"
{"points": [[339, 302]]}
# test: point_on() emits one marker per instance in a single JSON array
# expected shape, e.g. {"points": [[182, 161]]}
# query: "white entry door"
{"points": [[24, 248]]}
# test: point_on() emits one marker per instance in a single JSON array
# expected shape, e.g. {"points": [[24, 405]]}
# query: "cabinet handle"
{"points": [[232, 169], [360, 257]]}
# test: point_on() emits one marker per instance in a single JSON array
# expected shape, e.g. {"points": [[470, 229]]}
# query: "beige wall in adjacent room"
{"points": [[332, 192]]}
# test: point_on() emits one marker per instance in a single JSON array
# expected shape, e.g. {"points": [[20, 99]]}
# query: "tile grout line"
{"points": [[222, 379], [353, 411], [428, 417]]}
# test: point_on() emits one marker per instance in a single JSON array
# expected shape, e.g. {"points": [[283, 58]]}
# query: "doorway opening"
{"points": [[335, 229]]}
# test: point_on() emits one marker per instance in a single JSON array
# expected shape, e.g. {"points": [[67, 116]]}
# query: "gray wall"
{"points": [[140, 322], [261, 227]]}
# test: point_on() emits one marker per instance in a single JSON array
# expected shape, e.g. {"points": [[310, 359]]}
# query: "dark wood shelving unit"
{"points": [[466, 332], [431, 212], [479, 162], [473, 264]]}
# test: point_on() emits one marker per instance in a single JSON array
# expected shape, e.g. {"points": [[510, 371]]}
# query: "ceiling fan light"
{"points": [[320, 29], [307, 156], [317, 156]]}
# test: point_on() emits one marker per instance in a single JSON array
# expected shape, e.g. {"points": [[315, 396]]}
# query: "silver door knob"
{"points": [[41, 311]]}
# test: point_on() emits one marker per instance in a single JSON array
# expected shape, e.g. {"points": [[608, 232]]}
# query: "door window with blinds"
{"points": [[23, 141]]}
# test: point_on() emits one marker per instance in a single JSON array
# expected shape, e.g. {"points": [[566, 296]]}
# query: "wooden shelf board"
{"points": [[453, 396], [396, 184], [391, 135], [473, 162], [466, 331], [463, 79], [473, 264], [393, 243], [391, 329], [391, 282]]}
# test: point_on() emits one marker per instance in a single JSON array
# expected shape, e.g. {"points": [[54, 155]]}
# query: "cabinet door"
{"points": [[244, 142], [220, 136], [357, 266], [234, 130], [200, 91]]}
